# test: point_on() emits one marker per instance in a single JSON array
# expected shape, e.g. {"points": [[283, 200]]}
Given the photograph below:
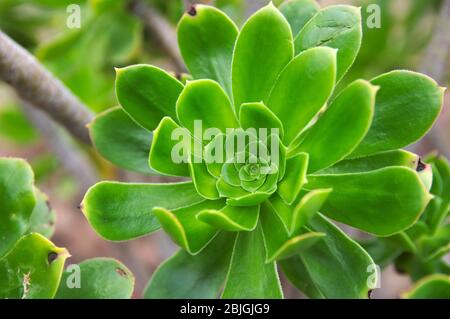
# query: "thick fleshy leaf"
{"points": [[298, 13], [206, 37], [322, 272], [170, 150], [100, 278], [382, 202], [206, 102], [431, 287], [212, 153], [108, 206], [406, 107], [263, 48], [204, 182], [231, 218], [294, 178], [279, 245], [436, 245], [121, 141], [443, 167], [425, 173], [436, 213], [262, 281], [339, 131], [337, 27], [302, 89], [185, 229], [438, 182], [227, 190], [147, 94], [32, 269], [43, 218], [17, 200], [307, 207], [374, 162], [257, 115], [200, 276], [249, 199]]}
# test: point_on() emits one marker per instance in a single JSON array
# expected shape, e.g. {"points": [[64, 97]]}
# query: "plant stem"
{"points": [[161, 29], [34, 84], [71, 158]]}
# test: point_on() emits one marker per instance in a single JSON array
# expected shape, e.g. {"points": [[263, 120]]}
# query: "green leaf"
{"points": [[331, 139], [298, 13], [381, 202], [437, 186], [294, 178], [307, 207], [436, 245], [204, 182], [263, 48], [250, 199], [109, 206], [425, 173], [147, 94], [431, 287], [337, 27], [406, 107], [206, 38], [121, 141], [262, 281], [231, 218], [279, 244], [436, 213], [42, 219], [32, 269], [185, 229], [205, 101], [17, 200], [322, 272], [257, 115], [166, 145], [302, 89], [201, 276], [100, 278], [374, 162], [443, 167]]}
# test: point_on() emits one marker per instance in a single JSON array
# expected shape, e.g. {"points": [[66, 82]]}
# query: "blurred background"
{"points": [[115, 33]]}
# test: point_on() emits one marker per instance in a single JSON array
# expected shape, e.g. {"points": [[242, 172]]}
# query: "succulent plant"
{"points": [[31, 266], [321, 155]]}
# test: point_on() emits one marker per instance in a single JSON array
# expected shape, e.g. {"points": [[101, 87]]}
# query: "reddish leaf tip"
{"points": [[192, 11], [420, 165]]}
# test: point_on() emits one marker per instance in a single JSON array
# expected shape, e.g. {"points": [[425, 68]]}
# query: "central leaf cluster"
{"points": [[251, 168]]}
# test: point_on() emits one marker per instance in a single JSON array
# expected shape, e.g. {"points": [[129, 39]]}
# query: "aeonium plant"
{"points": [[271, 152]]}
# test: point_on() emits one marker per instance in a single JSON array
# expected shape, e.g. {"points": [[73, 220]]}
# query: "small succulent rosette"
{"points": [[272, 152]]}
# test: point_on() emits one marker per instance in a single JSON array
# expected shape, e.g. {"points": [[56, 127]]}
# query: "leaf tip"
{"points": [[192, 10]]}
